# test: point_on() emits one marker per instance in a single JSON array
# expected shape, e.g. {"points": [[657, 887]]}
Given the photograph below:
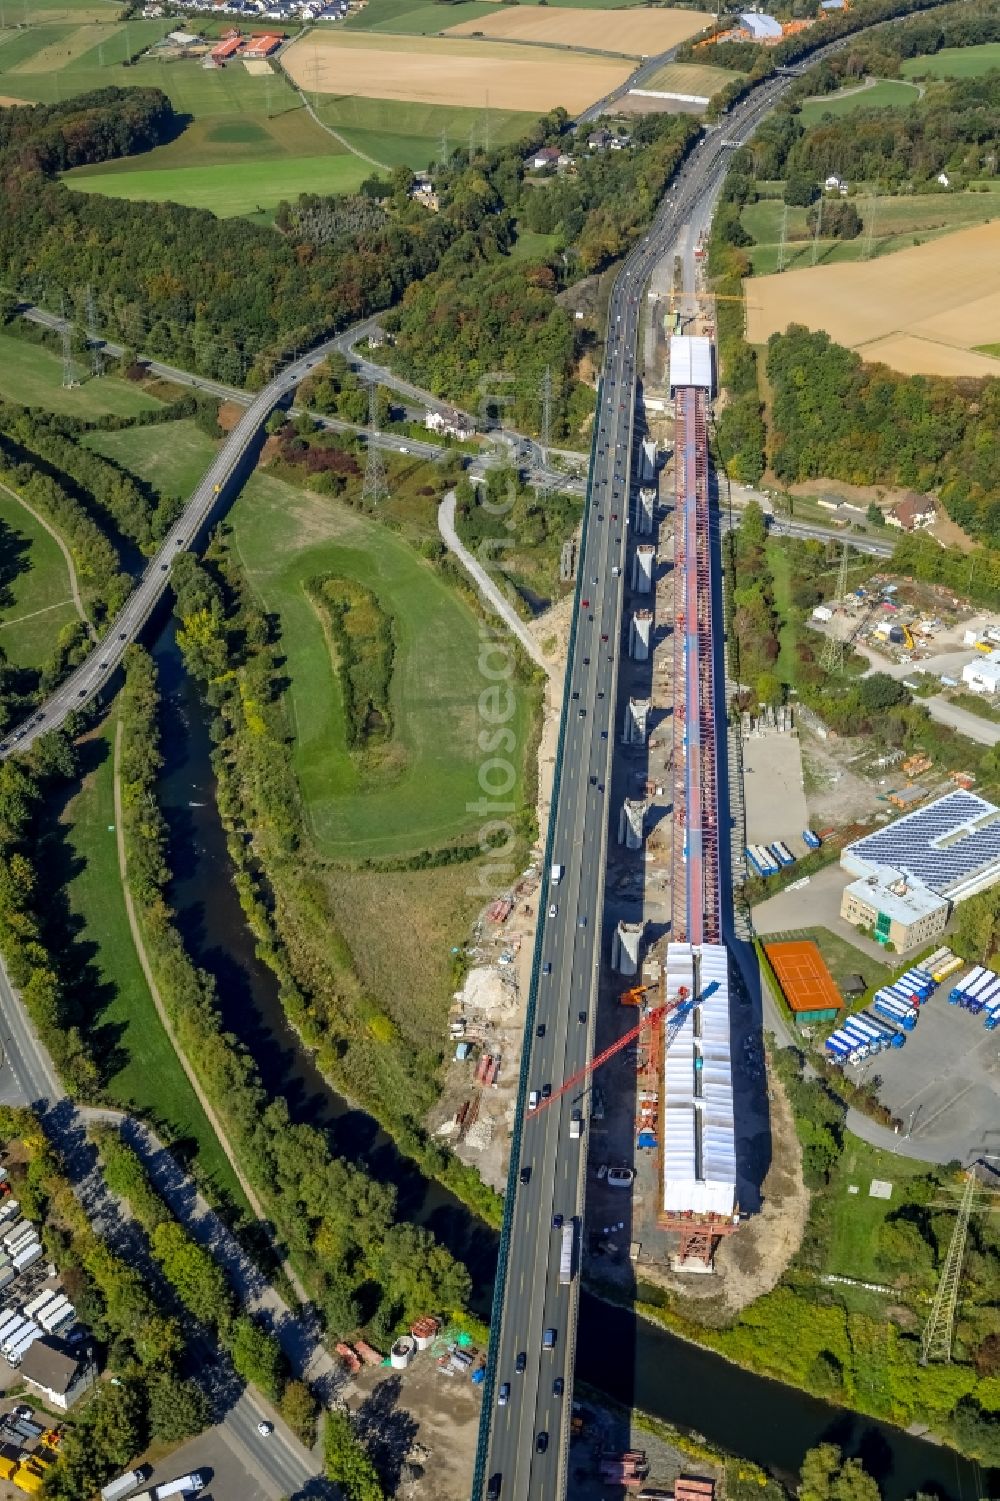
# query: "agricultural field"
{"points": [[413, 17], [636, 33], [144, 1072], [31, 374], [898, 223], [285, 537], [35, 597], [690, 78], [400, 133], [449, 72], [240, 188], [954, 62], [885, 93], [923, 310]]}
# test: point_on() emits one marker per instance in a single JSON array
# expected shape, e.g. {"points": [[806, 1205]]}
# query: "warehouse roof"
{"points": [[760, 26], [952, 847], [690, 361]]}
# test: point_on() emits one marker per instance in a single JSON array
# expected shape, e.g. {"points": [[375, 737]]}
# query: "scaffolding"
{"points": [[696, 885]]}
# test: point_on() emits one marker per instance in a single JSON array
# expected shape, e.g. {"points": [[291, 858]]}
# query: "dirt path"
{"points": [[167, 1025], [382, 166], [70, 566]]}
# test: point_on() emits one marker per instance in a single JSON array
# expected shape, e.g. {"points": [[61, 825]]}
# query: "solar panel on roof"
{"points": [[941, 845]]}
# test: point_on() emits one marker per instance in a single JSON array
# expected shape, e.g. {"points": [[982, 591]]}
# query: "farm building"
{"points": [[263, 46], [806, 982], [223, 51]]}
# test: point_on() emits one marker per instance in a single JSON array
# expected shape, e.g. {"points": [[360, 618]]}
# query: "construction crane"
{"points": [[680, 1007]]}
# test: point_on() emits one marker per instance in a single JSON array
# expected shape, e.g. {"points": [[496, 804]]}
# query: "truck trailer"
{"points": [[185, 1485], [116, 1490], [566, 1252]]}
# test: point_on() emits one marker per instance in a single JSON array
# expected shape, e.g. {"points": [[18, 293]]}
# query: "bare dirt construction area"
{"points": [[420, 1427], [773, 788], [920, 311], [636, 33], [430, 70]]}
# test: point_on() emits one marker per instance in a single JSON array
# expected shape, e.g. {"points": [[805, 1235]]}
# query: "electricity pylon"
{"points": [[832, 659], [546, 424], [784, 237], [935, 1342], [376, 486], [869, 245], [819, 226], [69, 375]]}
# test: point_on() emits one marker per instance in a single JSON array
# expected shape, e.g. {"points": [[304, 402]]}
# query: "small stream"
{"points": [[634, 1362]]}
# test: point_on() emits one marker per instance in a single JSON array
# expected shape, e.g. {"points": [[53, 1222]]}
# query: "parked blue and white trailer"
{"points": [[762, 867], [992, 1017], [984, 998], [866, 1036], [888, 1026], [782, 853], [837, 1047], [810, 839], [904, 997], [921, 981], [855, 1052], [962, 985], [893, 1011], [903, 985]]}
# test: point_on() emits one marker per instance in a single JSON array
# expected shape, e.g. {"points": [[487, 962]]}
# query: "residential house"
{"points": [[58, 1373], [912, 512], [547, 156], [449, 423]]}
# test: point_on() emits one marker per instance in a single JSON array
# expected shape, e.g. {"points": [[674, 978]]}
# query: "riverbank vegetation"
{"points": [[859, 1344], [338, 1226], [375, 1046], [140, 1341]]}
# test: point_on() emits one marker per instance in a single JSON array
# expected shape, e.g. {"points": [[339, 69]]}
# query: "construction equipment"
{"points": [[680, 1008], [908, 637], [635, 996]]}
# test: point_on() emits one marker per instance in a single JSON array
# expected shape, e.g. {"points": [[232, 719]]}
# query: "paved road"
{"points": [[531, 1299], [28, 1078], [487, 586], [984, 731]]}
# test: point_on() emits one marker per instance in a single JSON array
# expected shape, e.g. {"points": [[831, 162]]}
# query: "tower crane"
{"points": [[679, 1009]]}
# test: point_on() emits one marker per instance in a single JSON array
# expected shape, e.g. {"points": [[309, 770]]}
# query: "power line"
{"points": [[93, 337], [832, 659], [69, 372]]}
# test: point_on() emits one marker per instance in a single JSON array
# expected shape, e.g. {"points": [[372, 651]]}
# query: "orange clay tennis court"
{"points": [[803, 976]]}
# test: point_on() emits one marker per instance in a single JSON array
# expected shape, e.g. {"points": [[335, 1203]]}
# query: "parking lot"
{"points": [[231, 1476], [944, 1085]]}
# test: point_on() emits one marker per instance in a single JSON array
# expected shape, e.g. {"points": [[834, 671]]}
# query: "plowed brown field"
{"points": [[637, 33], [920, 311]]}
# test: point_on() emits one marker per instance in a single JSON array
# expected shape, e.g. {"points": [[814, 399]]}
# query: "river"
{"points": [[636, 1363]]}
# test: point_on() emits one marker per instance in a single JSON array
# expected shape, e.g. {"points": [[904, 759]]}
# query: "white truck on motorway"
{"points": [[575, 1125], [557, 874], [566, 1253]]}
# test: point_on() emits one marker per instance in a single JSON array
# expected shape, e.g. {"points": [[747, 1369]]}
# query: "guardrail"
{"points": [[503, 1252]]}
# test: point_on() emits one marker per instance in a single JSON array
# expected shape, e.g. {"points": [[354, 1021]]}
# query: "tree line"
{"points": [[362, 1266], [201, 1287]]}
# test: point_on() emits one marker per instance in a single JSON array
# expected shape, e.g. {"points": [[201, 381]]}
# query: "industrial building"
{"points": [[699, 1134], [983, 674], [914, 870]]}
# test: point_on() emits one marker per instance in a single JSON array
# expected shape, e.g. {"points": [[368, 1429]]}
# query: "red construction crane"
{"points": [[682, 1004]]}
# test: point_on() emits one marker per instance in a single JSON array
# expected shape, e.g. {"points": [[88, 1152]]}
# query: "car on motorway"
{"points": [[493, 1488], [526, 1173], [541, 1442], [546, 968], [533, 1100], [540, 1030], [546, 1091], [521, 1362], [557, 1222], [503, 1395], [264, 1428], [549, 1339], [553, 909], [581, 921], [558, 1387], [581, 1017]]}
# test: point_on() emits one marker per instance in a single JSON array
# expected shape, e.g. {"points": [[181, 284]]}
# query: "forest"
{"points": [[833, 415], [221, 297], [362, 636]]}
